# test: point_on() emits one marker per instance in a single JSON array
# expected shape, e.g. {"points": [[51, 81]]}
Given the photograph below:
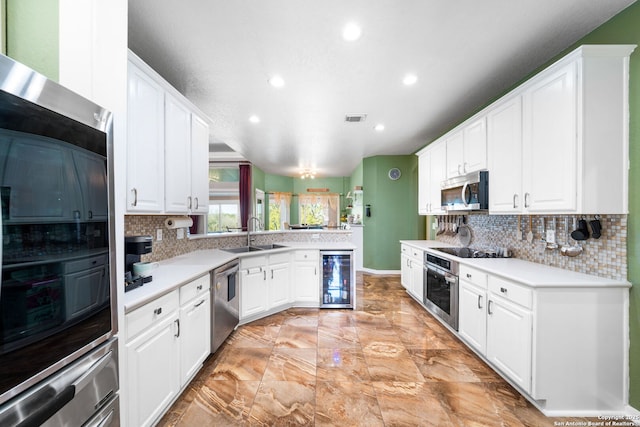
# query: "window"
{"points": [[319, 209], [224, 198], [279, 206]]}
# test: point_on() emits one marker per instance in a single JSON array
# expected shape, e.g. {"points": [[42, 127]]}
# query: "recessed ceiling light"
{"points": [[254, 119], [379, 127], [276, 81], [410, 79], [351, 32]]}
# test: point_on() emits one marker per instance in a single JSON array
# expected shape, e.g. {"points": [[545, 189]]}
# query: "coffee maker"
{"points": [[134, 246]]}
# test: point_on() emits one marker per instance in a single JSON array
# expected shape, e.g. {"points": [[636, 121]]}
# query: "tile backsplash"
{"points": [[170, 246], [604, 257]]}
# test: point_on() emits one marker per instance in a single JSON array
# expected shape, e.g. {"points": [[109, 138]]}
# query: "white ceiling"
{"points": [[220, 54]]}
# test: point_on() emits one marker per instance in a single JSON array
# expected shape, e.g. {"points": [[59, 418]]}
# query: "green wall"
{"points": [[394, 209], [625, 29], [32, 34]]}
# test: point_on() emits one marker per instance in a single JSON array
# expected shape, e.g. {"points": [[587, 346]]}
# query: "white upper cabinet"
{"points": [[167, 147], [432, 164], [467, 148], [145, 143], [199, 165], [504, 145], [178, 157], [559, 143]]}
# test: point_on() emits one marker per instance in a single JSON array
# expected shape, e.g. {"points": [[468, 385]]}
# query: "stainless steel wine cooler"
{"points": [[338, 279]]}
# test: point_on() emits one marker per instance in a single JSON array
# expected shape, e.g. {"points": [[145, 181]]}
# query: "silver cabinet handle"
{"points": [[189, 201], [264, 275], [90, 214], [464, 167], [177, 321], [157, 311], [459, 166], [489, 307], [468, 276], [134, 191], [526, 200], [503, 290], [271, 274], [197, 204], [515, 201], [199, 287], [479, 301], [198, 304]]}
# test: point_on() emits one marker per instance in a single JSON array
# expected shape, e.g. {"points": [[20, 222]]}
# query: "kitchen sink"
{"points": [[245, 249], [242, 249], [270, 246]]}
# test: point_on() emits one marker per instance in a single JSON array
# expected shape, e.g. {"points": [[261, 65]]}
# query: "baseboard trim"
{"points": [[379, 272]]}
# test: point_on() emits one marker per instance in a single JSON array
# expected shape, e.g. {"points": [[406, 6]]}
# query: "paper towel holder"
{"points": [[178, 222]]}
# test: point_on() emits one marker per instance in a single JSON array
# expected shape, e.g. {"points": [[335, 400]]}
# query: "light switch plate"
{"points": [[158, 234], [180, 233]]}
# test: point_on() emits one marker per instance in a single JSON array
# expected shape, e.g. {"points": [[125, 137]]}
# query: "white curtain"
{"points": [[330, 203], [284, 200]]}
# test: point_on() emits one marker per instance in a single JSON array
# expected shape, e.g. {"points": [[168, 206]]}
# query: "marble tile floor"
{"points": [[386, 363]]}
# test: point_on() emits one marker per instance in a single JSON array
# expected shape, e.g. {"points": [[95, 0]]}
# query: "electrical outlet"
{"points": [[551, 236], [158, 234], [180, 233]]}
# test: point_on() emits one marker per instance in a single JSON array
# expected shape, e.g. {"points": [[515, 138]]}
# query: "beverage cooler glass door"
{"points": [[56, 220], [338, 279]]}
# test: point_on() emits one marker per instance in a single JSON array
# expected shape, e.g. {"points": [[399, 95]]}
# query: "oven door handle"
{"points": [[50, 408], [451, 279]]}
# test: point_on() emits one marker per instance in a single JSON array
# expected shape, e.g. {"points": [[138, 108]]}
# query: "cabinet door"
{"points": [[305, 281], [195, 335], [405, 271], [253, 291], [472, 324], [438, 174], [94, 185], [199, 165], [279, 284], [153, 373], [475, 146], [550, 152], [509, 337], [417, 274], [424, 182], [177, 156], [455, 155], [504, 141], [145, 143]]}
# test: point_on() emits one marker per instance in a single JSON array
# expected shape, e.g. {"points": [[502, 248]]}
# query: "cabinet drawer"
{"points": [[253, 261], [511, 291], [193, 289], [280, 258], [470, 274], [307, 255], [84, 264], [150, 314], [417, 254], [405, 249]]}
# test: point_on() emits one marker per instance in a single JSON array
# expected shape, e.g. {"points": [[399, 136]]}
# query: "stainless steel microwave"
{"points": [[466, 193]]}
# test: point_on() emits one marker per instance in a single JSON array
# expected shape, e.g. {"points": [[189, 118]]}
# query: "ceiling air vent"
{"points": [[355, 118]]}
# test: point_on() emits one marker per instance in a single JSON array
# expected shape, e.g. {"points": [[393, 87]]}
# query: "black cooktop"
{"points": [[468, 252]]}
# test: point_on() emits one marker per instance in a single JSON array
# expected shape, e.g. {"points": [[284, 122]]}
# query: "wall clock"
{"points": [[394, 174]]}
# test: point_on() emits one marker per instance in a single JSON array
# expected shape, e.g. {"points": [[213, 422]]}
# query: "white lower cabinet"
{"points": [[195, 326], [305, 280], [153, 378], [412, 271], [495, 319], [166, 342], [265, 282]]}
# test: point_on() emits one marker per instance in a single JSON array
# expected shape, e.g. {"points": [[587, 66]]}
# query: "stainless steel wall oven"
{"points": [[441, 288], [57, 301]]}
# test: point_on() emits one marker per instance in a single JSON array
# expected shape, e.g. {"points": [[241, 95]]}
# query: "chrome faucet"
{"points": [[251, 221]]}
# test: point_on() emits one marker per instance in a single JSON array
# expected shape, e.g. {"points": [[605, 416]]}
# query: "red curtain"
{"points": [[245, 195]]}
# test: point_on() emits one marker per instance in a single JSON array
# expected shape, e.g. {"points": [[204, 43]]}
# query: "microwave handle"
{"points": [[464, 194]]}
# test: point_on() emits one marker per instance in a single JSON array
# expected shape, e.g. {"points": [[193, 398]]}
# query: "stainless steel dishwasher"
{"points": [[225, 302]]}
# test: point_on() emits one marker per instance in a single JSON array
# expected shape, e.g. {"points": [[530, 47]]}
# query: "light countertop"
{"points": [[175, 272], [525, 272]]}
